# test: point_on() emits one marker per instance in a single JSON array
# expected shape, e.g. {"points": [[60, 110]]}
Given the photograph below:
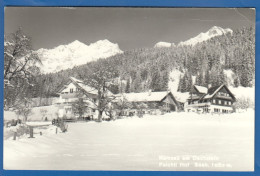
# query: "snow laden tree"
{"points": [[20, 66], [127, 89], [122, 104], [101, 78], [23, 111], [243, 103], [185, 82], [79, 107]]}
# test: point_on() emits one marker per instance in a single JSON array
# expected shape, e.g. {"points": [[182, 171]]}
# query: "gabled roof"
{"points": [[83, 86], [145, 96], [213, 90], [201, 89], [80, 84], [75, 80]]}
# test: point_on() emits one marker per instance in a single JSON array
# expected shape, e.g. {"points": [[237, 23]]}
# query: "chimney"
{"points": [[149, 92], [209, 86]]}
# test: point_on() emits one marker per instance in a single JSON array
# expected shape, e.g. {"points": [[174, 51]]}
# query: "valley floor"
{"points": [[175, 141]]}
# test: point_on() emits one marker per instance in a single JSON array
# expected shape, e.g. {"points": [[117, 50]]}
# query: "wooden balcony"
{"points": [[199, 104], [223, 97]]}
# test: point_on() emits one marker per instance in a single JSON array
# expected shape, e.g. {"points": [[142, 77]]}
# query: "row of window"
{"points": [[223, 110], [223, 94], [221, 102], [69, 110], [67, 100], [205, 109], [71, 91]]}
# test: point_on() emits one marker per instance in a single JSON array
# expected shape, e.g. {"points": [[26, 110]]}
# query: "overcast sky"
{"points": [[129, 27]]}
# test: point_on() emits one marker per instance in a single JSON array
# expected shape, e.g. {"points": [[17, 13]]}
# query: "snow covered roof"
{"points": [[76, 80], [201, 89], [145, 96], [79, 84], [86, 88], [211, 92], [181, 97], [83, 86]]}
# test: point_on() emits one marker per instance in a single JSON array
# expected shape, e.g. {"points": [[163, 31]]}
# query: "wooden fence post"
{"points": [[15, 134], [31, 131]]}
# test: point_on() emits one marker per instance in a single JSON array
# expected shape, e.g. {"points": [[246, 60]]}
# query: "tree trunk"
{"points": [[25, 119], [99, 106], [100, 116]]}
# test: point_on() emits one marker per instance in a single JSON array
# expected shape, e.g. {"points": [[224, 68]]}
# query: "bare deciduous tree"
{"points": [[101, 79], [20, 65]]}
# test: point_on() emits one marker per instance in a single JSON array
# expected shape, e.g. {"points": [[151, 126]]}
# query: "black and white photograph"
{"points": [[129, 89]]}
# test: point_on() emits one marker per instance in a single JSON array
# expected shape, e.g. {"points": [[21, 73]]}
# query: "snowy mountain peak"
{"points": [[212, 32], [102, 42], [215, 30], [163, 44], [74, 54], [75, 44]]}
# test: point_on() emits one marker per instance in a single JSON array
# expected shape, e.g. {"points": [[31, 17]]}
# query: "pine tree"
{"points": [[236, 82], [127, 89]]}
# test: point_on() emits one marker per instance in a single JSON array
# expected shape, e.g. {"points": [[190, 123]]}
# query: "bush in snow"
{"points": [[23, 111], [243, 103], [19, 129], [61, 124]]}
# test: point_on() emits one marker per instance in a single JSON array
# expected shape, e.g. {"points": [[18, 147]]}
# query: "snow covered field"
{"points": [[175, 141]]}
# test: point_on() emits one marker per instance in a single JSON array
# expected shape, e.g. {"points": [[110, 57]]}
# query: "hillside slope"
{"points": [[138, 70]]}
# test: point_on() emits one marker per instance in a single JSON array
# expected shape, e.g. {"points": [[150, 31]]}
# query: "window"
{"points": [[68, 110], [229, 103], [71, 90], [214, 101], [219, 101], [225, 102]]}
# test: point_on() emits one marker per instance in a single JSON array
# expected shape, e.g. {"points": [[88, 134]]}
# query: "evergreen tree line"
{"points": [[148, 68]]}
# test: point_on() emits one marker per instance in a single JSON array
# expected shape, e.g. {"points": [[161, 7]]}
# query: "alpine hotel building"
{"points": [[216, 99]]}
